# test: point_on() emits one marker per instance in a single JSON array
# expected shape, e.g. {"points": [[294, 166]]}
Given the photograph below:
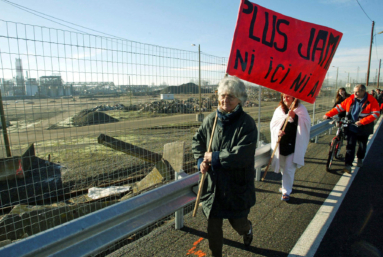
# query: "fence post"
{"points": [[4, 127], [316, 138], [259, 115]]}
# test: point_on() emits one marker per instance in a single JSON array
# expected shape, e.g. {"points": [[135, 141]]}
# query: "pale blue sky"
{"points": [[211, 23]]}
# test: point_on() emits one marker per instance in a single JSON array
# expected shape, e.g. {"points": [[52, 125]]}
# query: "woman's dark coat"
{"points": [[229, 189]]}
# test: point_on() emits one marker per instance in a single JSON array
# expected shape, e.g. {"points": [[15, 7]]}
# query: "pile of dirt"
{"points": [[88, 117]]}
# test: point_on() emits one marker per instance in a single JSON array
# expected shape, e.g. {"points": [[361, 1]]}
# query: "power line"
{"points": [[34, 12], [31, 11], [363, 10]]}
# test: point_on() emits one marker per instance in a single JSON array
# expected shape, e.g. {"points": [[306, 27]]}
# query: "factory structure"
{"points": [[50, 86]]}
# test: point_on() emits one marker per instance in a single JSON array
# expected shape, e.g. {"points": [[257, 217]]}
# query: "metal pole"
{"points": [[199, 86], [130, 87], [369, 57], [336, 83], [259, 115], [380, 61], [4, 126], [316, 138], [179, 214], [314, 106]]}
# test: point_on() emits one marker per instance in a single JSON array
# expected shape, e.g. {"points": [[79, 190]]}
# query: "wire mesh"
{"points": [[92, 121], [88, 118]]}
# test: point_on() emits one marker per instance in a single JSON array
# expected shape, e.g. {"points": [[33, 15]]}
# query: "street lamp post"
{"points": [[336, 82], [200, 115]]}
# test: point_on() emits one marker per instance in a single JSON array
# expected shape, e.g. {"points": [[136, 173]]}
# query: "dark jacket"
{"points": [[380, 98], [229, 190]]}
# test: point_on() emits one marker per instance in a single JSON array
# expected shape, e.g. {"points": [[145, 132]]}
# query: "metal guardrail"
{"points": [[96, 231]]}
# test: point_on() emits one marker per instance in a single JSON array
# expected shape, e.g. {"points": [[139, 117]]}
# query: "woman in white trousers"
{"points": [[294, 140]]}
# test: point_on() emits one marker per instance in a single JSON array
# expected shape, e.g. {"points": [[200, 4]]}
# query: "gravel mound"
{"points": [[88, 117]]}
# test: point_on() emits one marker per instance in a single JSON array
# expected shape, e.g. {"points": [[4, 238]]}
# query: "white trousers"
{"points": [[287, 168]]}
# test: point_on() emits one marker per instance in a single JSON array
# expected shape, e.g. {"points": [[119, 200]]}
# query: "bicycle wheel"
{"points": [[337, 149], [331, 153]]}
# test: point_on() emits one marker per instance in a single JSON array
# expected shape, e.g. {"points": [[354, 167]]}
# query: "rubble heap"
{"points": [[190, 105], [107, 107], [90, 117]]}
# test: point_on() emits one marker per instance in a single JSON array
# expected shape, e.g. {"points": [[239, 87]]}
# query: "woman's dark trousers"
{"points": [[215, 232]]}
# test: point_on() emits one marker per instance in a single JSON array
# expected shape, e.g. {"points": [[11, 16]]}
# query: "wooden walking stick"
{"points": [[204, 174], [279, 140]]}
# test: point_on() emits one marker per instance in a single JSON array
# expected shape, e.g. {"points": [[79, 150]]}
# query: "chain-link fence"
{"points": [[89, 121]]}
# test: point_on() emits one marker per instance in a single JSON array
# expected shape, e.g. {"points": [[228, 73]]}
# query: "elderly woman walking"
{"points": [[294, 141], [229, 190]]}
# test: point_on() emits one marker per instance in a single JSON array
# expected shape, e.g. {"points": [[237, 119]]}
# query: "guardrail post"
{"points": [[179, 214], [258, 173]]}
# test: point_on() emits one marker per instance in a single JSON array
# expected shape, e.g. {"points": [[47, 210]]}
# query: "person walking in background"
{"points": [[362, 109], [379, 98], [341, 95], [294, 141], [229, 190], [373, 93]]}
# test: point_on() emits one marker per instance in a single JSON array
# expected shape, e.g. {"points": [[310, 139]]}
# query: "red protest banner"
{"points": [[280, 52]]}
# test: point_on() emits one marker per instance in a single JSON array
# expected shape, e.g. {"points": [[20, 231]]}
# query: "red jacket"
{"points": [[370, 111]]}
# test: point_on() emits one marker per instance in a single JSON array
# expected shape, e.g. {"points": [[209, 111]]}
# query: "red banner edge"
{"points": [[234, 36]]}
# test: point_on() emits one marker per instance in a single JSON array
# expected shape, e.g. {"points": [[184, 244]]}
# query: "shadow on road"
{"points": [[231, 243]]}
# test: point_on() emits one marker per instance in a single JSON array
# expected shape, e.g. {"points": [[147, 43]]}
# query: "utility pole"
{"points": [[380, 61], [369, 57]]}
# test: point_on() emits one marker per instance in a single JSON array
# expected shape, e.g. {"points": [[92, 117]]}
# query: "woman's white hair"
{"points": [[233, 86]]}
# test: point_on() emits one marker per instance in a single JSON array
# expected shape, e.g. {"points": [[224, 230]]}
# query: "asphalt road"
{"points": [[357, 227], [277, 225]]}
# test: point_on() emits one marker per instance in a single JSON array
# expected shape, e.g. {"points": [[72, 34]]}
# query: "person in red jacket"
{"points": [[362, 109]]}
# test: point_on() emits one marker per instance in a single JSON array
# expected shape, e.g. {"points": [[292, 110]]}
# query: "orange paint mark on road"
{"points": [[198, 253]]}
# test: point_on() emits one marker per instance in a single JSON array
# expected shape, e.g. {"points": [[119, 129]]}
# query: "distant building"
{"points": [[167, 96], [7, 87], [51, 86], [20, 81], [31, 87]]}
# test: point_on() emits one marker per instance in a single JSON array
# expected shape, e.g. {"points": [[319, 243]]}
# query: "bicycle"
{"points": [[337, 142]]}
